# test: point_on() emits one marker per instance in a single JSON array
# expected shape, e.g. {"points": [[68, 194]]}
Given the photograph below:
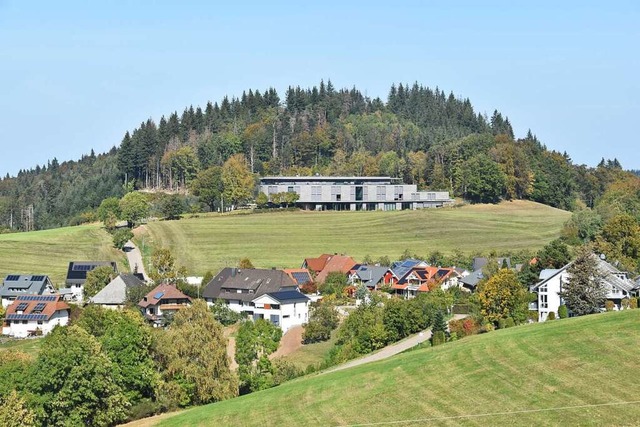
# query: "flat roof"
{"points": [[329, 178]]}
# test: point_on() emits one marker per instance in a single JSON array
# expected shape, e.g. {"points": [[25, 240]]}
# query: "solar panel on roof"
{"points": [[37, 278], [39, 307], [158, 295], [22, 306], [13, 277], [301, 277]]}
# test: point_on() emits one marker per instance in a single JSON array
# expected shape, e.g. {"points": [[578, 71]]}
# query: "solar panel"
{"points": [[22, 306], [301, 277], [158, 295], [83, 267], [27, 317], [12, 277], [39, 307], [37, 297], [37, 278]]}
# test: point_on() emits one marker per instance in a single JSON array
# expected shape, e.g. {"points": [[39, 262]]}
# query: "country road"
{"points": [[135, 259], [390, 350]]}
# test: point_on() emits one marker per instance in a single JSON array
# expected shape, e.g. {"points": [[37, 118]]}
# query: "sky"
{"points": [[75, 76]]}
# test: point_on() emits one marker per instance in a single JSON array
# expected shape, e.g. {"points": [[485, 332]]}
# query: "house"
{"points": [[163, 300], [31, 315], [300, 276], [336, 264], [114, 295], [73, 289], [471, 280], [354, 193], [283, 308], [480, 262], [552, 281], [424, 279], [315, 265], [16, 285], [260, 293], [372, 276]]}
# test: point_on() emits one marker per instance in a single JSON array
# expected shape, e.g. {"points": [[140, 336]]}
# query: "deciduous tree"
{"points": [[501, 297], [97, 279]]}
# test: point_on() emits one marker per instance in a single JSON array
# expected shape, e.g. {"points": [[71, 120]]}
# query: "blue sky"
{"points": [[77, 75]]}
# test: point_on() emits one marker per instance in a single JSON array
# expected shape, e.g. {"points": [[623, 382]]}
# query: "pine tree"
{"points": [[584, 293]]}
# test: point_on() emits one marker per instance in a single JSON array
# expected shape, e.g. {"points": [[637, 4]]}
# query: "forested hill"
{"points": [[420, 134]]}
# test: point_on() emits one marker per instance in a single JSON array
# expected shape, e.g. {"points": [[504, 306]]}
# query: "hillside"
{"points": [[49, 251], [283, 239], [573, 371]]}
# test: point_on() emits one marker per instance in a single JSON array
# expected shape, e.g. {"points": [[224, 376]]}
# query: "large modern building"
{"points": [[353, 193]]}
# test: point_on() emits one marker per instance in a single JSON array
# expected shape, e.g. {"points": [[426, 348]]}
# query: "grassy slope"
{"points": [[49, 251], [283, 239], [571, 362]]}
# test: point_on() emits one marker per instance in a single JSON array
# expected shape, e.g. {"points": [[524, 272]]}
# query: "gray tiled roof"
{"points": [[250, 282], [371, 274], [20, 284], [115, 292]]}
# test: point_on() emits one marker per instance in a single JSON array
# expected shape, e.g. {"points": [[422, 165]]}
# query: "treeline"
{"points": [[421, 135]]}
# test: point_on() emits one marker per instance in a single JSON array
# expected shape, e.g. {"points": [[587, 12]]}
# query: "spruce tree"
{"points": [[584, 293]]}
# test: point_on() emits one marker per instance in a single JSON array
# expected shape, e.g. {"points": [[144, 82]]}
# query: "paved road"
{"points": [[389, 350], [135, 259]]}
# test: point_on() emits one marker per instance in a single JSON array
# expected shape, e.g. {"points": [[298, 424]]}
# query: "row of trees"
{"points": [[110, 365]]}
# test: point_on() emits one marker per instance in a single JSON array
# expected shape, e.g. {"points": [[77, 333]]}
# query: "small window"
{"points": [[39, 322], [286, 316]]}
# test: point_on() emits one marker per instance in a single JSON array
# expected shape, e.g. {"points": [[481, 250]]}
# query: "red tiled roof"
{"points": [[317, 264], [49, 309], [169, 292], [337, 263]]}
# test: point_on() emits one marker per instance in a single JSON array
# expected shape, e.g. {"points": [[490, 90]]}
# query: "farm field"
{"points": [[565, 372], [283, 239], [49, 251]]}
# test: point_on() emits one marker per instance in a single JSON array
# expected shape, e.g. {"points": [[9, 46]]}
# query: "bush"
{"points": [[438, 338], [501, 323], [551, 316], [609, 305], [563, 312], [223, 314], [463, 327], [323, 320], [121, 237], [625, 303], [633, 303], [510, 323]]}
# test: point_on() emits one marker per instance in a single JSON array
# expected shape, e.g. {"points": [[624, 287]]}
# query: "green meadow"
{"points": [[49, 251], [284, 239], [579, 371]]}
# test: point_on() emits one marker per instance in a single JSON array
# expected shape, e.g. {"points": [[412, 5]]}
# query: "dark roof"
{"points": [[131, 280], [77, 271], [251, 282], [288, 296], [479, 262], [19, 284], [162, 292], [472, 280]]}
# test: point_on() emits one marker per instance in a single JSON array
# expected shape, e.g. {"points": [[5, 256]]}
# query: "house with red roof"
{"points": [[336, 263], [425, 279], [165, 299], [31, 315]]}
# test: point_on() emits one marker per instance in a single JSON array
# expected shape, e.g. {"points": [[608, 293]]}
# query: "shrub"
{"points": [[323, 319], [121, 237], [551, 316], [633, 303], [223, 314], [625, 303], [453, 336], [609, 305], [463, 327], [438, 338], [309, 288], [510, 323], [563, 312], [501, 323]]}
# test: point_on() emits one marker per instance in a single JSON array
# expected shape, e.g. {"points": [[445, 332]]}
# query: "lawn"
{"points": [[284, 239], [49, 251], [580, 371], [312, 354], [29, 346]]}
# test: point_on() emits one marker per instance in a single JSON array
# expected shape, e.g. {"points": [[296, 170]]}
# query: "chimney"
{"points": [[234, 271]]}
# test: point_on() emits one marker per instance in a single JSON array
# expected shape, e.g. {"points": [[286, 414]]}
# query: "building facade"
{"points": [[353, 193], [31, 315]]}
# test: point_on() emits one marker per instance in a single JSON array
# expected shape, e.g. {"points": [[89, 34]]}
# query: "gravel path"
{"points": [[390, 350], [135, 259], [290, 342]]}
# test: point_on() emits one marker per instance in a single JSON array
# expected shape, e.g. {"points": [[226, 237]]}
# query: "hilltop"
{"points": [[283, 239], [572, 371]]}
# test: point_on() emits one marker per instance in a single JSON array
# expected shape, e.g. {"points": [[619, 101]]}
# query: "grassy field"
{"points": [[283, 239], [581, 371], [29, 346], [49, 251], [312, 354]]}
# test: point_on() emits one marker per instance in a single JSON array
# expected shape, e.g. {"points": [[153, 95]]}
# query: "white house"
{"points": [[16, 285], [285, 308], [552, 282], [73, 289], [31, 315], [164, 299]]}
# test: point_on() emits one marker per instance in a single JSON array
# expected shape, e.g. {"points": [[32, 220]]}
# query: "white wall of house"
{"points": [[548, 298], [286, 315], [21, 328], [6, 302]]}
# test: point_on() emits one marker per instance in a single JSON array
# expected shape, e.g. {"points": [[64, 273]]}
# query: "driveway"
{"points": [[135, 259]]}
